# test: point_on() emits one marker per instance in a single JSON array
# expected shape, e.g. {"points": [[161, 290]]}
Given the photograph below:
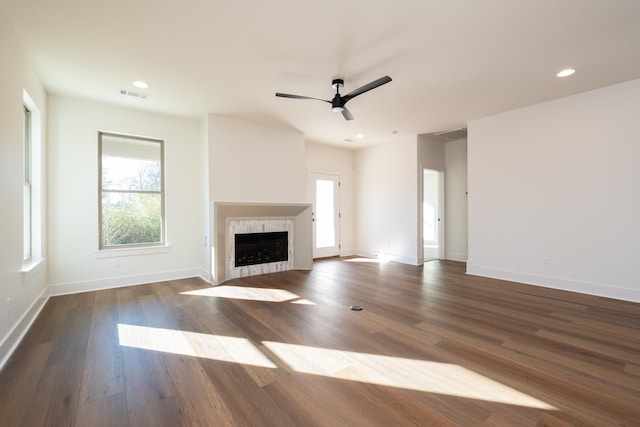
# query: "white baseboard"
{"points": [[118, 282], [597, 289], [17, 332]]}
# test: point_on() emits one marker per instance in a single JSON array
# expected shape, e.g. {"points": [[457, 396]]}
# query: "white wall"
{"points": [[456, 230], [74, 264], [249, 162], [21, 296], [337, 161], [387, 200], [559, 181]]}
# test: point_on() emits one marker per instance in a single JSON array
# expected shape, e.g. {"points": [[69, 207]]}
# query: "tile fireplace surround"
{"points": [[257, 225], [230, 218]]}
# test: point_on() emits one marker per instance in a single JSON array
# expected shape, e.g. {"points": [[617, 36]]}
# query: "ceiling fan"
{"points": [[338, 102]]}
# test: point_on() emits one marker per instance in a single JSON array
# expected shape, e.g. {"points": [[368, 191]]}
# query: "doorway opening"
{"points": [[432, 208], [325, 197]]}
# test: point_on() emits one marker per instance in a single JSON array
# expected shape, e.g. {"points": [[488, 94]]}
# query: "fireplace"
{"points": [[231, 218], [261, 248]]}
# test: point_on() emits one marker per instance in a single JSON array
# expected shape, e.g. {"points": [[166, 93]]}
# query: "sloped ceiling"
{"points": [[451, 61]]}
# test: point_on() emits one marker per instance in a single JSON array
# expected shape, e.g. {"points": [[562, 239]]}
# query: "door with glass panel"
{"points": [[324, 191]]}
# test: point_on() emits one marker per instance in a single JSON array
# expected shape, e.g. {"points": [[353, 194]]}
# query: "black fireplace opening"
{"points": [[261, 248]]}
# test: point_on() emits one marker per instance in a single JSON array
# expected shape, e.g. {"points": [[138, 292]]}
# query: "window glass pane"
{"points": [[131, 218], [131, 188], [131, 164], [119, 173], [26, 192], [325, 225], [26, 212]]}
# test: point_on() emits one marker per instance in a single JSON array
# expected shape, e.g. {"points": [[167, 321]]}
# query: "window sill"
{"points": [[31, 268], [115, 253]]}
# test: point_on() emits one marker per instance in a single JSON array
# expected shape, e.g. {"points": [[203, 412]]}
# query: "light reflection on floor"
{"points": [[412, 374], [249, 293], [216, 347]]}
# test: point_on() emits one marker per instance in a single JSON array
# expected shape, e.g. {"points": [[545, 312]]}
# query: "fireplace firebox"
{"points": [[261, 248]]}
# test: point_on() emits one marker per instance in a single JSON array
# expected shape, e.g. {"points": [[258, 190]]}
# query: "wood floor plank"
{"points": [[107, 411], [103, 372], [432, 347], [18, 384], [56, 395]]}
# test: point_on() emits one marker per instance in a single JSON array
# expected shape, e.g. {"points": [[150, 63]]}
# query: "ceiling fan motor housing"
{"points": [[337, 103]]}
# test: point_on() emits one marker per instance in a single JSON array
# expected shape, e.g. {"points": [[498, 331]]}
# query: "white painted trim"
{"points": [[596, 289], [31, 269], [18, 331], [118, 282], [404, 259], [123, 252]]}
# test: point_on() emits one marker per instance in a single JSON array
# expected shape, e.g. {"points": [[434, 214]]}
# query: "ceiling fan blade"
{"points": [[347, 114], [374, 84], [286, 95]]}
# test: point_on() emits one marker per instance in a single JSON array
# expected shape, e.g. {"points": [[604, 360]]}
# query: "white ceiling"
{"points": [[451, 61]]}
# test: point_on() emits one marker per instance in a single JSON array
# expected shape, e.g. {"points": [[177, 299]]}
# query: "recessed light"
{"points": [[140, 84], [359, 136], [566, 72]]}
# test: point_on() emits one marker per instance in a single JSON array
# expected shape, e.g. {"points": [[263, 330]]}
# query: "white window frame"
{"points": [[27, 166], [33, 256], [136, 248]]}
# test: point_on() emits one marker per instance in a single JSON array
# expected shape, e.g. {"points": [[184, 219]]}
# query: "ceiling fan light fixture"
{"points": [[338, 109]]}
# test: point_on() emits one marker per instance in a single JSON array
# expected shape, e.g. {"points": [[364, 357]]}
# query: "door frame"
{"points": [[441, 215], [334, 250]]}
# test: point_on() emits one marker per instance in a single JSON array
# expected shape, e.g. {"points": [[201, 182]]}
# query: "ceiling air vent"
{"points": [[449, 135], [133, 94]]}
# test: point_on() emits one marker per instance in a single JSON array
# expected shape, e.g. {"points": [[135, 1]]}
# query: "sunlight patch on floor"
{"points": [[365, 260], [249, 293], [421, 375], [412, 374], [216, 347]]}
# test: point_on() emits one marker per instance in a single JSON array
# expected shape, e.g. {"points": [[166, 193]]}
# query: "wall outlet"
{"points": [[115, 263], [545, 262]]}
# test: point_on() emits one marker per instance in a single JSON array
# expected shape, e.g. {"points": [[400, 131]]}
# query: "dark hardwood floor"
{"points": [[432, 347]]}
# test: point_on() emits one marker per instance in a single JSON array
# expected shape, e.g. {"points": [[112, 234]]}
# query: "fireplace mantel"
{"points": [[223, 211]]}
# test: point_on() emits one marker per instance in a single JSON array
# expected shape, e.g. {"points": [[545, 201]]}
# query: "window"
{"points": [[131, 171], [32, 193], [27, 194]]}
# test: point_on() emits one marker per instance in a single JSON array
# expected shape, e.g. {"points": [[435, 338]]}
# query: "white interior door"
{"points": [[325, 191], [431, 215]]}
